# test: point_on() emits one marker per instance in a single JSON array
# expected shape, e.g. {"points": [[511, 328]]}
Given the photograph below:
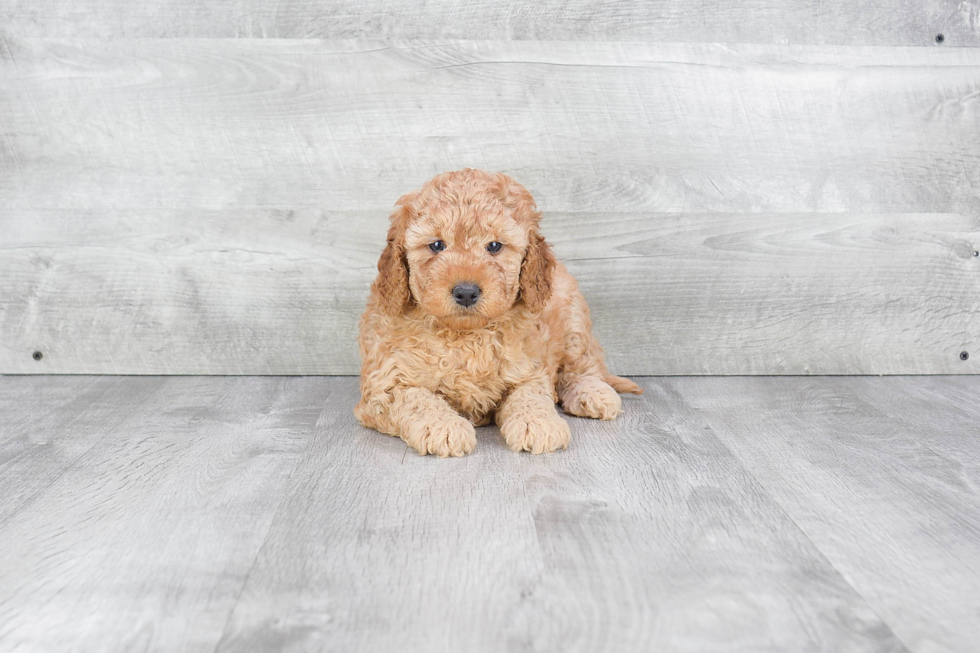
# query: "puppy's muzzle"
{"points": [[466, 294]]}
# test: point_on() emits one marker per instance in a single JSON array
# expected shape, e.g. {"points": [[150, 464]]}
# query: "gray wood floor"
{"points": [[718, 514]]}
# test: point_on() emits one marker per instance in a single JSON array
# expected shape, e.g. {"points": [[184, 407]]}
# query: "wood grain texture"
{"points": [[883, 476], [47, 425], [736, 514], [143, 541], [280, 292], [877, 22], [351, 125], [182, 205], [635, 539]]}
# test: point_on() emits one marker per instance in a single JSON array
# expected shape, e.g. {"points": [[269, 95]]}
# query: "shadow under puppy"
{"points": [[471, 318]]}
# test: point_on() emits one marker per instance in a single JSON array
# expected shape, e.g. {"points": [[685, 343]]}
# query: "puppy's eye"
{"points": [[437, 246], [494, 247]]}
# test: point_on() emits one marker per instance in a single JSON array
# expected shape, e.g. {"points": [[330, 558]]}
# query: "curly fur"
{"points": [[432, 369]]}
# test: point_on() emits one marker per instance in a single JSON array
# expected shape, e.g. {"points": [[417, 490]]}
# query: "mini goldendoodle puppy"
{"points": [[472, 319]]}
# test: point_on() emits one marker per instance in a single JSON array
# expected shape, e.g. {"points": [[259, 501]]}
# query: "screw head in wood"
{"points": [[37, 355], [964, 355], [940, 38]]}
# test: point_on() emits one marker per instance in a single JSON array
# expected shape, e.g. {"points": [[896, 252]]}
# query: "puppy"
{"points": [[471, 319]]}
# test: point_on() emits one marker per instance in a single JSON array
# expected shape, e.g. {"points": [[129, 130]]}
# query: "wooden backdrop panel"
{"points": [[280, 292], [586, 126], [871, 22], [217, 205]]}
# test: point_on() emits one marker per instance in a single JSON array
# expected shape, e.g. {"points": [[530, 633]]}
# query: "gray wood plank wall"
{"points": [[771, 188], [872, 22]]}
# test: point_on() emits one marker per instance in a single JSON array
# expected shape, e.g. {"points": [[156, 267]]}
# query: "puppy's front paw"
{"points": [[589, 396], [537, 433], [448, 436]]}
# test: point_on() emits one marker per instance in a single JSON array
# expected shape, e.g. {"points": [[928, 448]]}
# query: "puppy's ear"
{"points": [[538, 267], [392, 281], [537, 272]]}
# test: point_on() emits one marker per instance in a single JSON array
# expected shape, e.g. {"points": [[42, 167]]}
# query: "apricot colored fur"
{"points": [[432, 369]]}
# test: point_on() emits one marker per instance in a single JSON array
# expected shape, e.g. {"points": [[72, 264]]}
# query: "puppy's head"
{"points": [[465, 249]]}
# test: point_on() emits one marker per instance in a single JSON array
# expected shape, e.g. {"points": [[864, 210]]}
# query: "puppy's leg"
{"points": [[424, 420], [588, 395], [529, 421], [585, 386]]}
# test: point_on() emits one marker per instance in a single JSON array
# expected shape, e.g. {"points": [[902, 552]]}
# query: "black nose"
{"points": [[466, 294]]}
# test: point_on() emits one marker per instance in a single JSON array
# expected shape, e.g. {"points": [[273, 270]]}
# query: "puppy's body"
{"points": [[433, 367]]}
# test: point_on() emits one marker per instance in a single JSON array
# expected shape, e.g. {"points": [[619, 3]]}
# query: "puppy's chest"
{"points": [[474, 370]]}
